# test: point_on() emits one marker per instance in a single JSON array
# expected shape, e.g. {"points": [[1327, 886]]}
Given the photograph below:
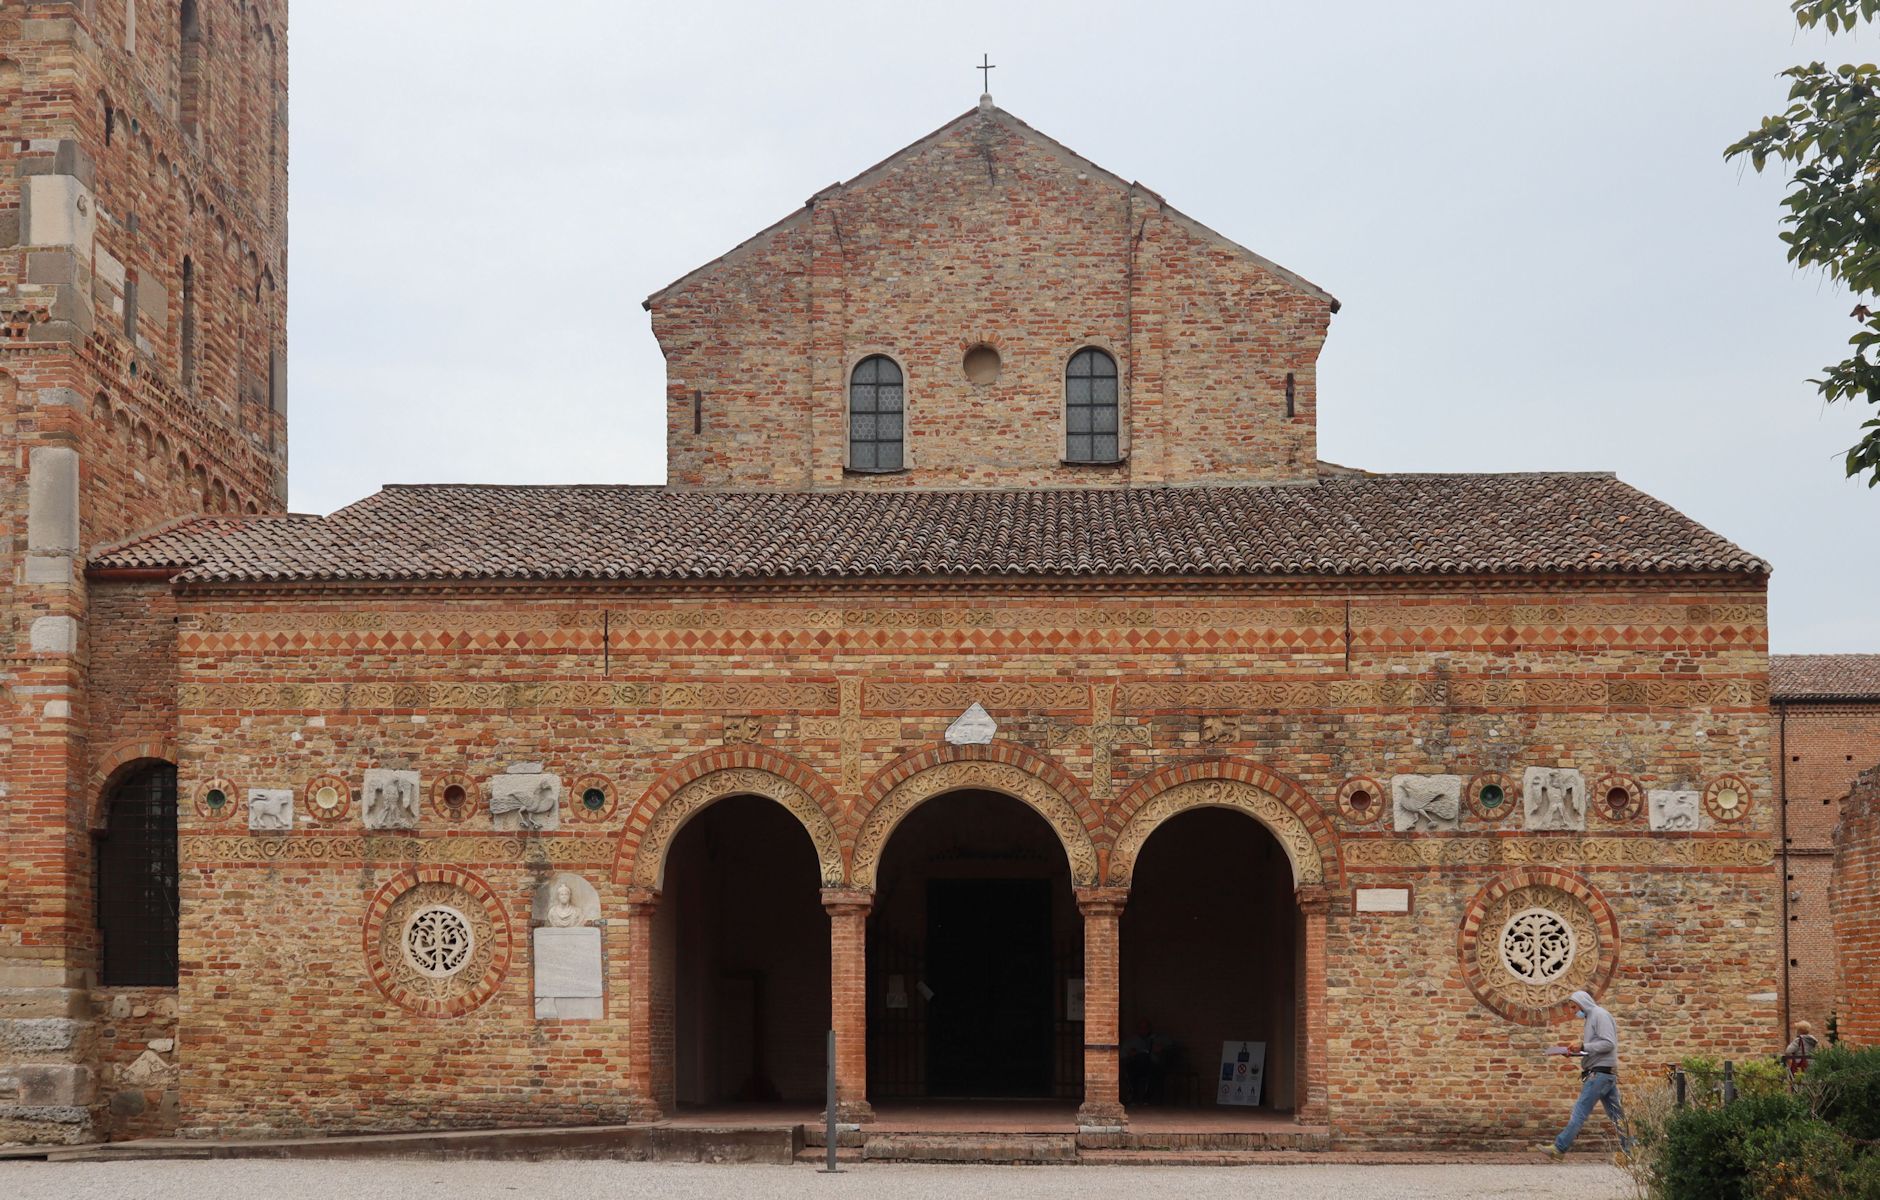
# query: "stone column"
{"points": [[1314, 903], [848, 998], [1102, 1109], [642, 1085]]}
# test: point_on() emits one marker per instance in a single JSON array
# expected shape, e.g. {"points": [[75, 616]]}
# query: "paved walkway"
{"points": [[408, 1180]]}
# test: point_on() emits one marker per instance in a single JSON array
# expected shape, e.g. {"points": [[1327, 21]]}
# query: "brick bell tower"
{"points": [[143, 275]]}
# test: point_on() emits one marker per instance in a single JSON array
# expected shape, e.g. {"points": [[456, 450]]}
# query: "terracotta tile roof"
{"points": [[1341, 525], [1824, 676]]}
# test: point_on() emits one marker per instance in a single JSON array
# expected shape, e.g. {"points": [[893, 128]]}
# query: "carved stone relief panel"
{"points": [[270, 809], [1426, 803], [389, 799], [974, 727], [525, 802], [1553, 798], [1675, 811], [581, 905]]}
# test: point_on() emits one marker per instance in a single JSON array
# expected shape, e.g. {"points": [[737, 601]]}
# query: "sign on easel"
{"points": [[1243, 1065]]}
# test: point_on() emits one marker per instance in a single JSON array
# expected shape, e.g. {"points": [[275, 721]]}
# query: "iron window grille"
{"points": [[876, 412], [1090, 408], [136, 881]]}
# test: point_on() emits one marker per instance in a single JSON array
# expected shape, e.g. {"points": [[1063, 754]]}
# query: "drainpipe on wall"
{"points": [[1782, 803]]}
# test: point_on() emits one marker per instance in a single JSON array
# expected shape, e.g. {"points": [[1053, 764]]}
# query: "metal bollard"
{"points": [[829, 1115], [1678, 1085], [1729, 1082]]}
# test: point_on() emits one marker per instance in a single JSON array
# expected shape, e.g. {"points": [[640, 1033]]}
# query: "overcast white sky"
{"points": [[1544, 261]]}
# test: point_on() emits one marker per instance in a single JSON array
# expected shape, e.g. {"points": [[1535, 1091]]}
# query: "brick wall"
{"points": [[1828, 745], [989, 233], [1857, 909], [106, 430], [281, 1027]]}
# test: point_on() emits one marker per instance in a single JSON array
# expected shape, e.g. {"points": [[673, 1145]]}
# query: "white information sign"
{"points": [[1243, 1067]]}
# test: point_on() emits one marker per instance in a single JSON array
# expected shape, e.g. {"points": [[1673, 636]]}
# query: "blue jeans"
{"points": [[1599, 1088]]}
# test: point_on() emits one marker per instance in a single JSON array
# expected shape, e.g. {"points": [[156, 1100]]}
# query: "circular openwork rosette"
{"points": [[437, 941], [453, 798], [217, 800], [1617, 799], [1361, 800], [1492, 795], [1533, 937], [1727, 799], [593, 798], [327, 798]]}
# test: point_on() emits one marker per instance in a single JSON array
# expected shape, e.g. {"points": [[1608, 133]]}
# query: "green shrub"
{"points": [[1707, 1151], [1802, 1158], [1843, 1087]]}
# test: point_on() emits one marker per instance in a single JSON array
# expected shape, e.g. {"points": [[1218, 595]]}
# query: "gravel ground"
{"points": [[398, 1179]]}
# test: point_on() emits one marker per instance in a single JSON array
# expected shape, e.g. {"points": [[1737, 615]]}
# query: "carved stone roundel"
{"points": [[1537, 945], [439, 941]]}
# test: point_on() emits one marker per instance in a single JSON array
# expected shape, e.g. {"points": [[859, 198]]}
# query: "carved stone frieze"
{"points": [[1284, 824], [1675, 810], [1004, 696], [591, 853], [1553, 798], [1000, 777], [1588, 851], [1426, 803], [1290, 694], [649, 862], [389, 799], [780, 695]]}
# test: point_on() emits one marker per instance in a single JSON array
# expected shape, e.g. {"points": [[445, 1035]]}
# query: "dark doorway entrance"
{"points": [[1211, 954], [989, 964], [741, 958], [975, 952]]}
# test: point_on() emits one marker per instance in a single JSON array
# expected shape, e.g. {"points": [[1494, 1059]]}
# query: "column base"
{"points": [[1101, 1118], [853, 1112]]}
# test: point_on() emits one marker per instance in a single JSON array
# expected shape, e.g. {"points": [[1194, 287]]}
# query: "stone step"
{"points": [[1279, 1137], [971, 1147]]}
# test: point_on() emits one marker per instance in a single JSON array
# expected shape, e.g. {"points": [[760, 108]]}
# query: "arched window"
{"points": [[1090, 407], [189, 91], [875, 412], [136, 880]]}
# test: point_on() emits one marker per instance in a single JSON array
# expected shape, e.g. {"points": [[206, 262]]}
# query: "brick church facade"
{"points": [[999, 679]]}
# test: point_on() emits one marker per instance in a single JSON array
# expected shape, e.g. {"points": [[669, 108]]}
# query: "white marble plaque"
{"points": [[1675, 811], [525, 802], [1553, 798], [270, 810], [1383, 900], [568, 972], [390, 799], [1426, 803], [974, 727]]}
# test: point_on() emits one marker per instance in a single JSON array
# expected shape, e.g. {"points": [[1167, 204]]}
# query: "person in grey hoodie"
{"points": [[1599, 1075]]}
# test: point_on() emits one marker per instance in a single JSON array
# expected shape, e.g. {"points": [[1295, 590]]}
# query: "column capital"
{"points": [[1101, 901], [1314, 898], [851, 901], [642, 899]]}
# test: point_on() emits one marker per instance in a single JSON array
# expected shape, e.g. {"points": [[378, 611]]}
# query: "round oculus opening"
{"points": [[982, 365], [1492, 795], [327, 797], [1360, 800], [1728, 799], [216, 798], [454, 797], [594, 799], [1618, 799]]}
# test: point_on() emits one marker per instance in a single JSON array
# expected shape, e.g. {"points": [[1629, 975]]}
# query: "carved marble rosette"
{"points": [[437, 941], [1533, 937]]}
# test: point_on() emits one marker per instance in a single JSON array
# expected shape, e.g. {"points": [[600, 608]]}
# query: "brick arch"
{"points": [[1281, 805], [113, 764], [1003, 767], [706, 778]]}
